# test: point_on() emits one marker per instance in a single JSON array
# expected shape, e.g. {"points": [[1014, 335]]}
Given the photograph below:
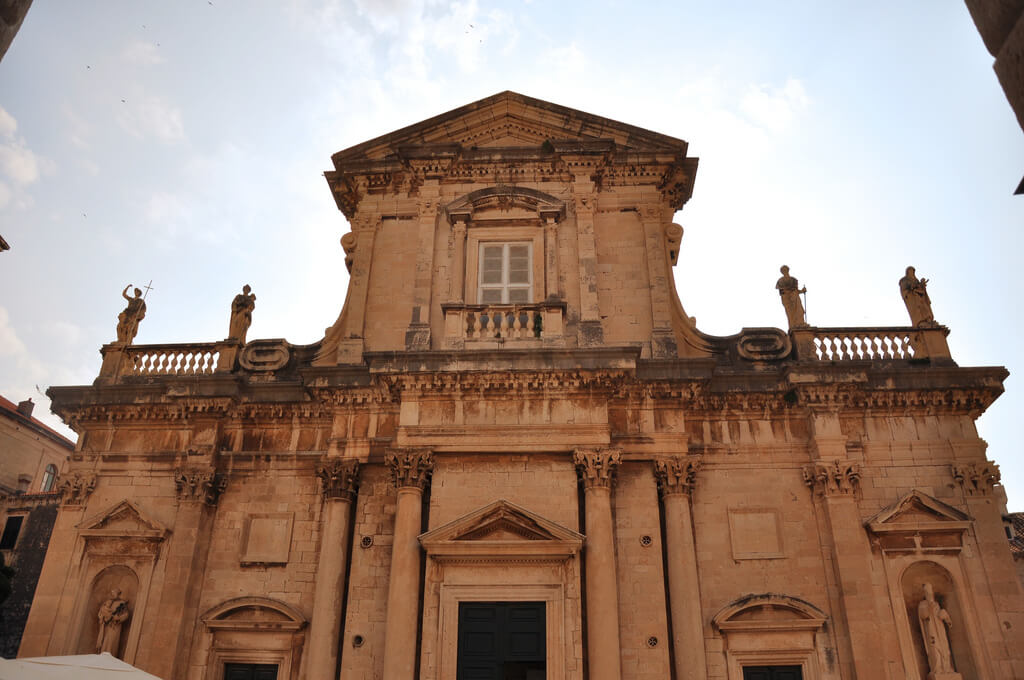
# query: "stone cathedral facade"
{"points": [[513, 455]]}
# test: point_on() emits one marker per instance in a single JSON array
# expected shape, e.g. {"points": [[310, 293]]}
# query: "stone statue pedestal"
{"points": [[947, 675]]}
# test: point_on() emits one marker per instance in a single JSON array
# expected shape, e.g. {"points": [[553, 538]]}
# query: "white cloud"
{"points": [[19, 165], [141, 52], [774, 108], [8, 126], [152, 116], [10, 344]]}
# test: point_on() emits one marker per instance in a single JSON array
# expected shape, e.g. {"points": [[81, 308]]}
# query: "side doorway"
{"points": [[250, 671], [502, 641], [772, 673]]}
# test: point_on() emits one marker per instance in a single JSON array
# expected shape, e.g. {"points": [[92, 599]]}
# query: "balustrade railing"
{"points": [[871, 344], [190, 359], [503, 322]]}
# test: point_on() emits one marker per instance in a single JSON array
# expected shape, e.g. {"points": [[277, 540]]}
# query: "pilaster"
{"points": [[417, 337], [590, 331]]}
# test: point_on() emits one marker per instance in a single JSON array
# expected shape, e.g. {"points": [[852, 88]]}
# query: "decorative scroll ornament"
{"points": [[677, 475], [195, 484], [339, 478], [977, 479], [77, 486], [834, 478], [410, 468], [597, 467]]}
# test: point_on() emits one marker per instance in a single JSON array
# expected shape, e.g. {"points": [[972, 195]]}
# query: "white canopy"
{"points": [[79, 667]]}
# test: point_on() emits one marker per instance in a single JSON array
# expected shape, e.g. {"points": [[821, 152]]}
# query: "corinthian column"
{"points": [[410, 470], [597, 471], [339, 479], [676, 477]]}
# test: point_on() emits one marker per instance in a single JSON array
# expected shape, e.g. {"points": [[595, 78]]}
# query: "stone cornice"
{"points": [[677, 474], [76, 487], [833, 478], [411, 468], [597, 467], [199, 485], [339, 478], [976, 479]]}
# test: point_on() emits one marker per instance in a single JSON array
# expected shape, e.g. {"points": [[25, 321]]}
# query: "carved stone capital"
{"points": [[677, 475], [339, 478], [832, 478], [199, 485], [77, 486], [597, 467], [977, 479], [410, 468]]}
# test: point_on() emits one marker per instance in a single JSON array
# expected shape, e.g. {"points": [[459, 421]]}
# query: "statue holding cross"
{"points": [[128, 320]]}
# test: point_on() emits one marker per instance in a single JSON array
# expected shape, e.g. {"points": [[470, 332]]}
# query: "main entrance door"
{"points": [[250, 671], [772, 673], [501, 641]]}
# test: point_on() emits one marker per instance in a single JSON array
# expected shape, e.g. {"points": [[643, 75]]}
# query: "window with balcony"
{"points": [[505, 273]]}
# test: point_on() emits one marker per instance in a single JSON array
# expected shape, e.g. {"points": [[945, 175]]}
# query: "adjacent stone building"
{"points": [[514, 455]]}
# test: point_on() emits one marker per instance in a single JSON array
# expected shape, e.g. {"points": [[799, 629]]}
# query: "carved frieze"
{"points": [[977, 479], [597, 467], [677, 475], [77, 486], [410, 468], [339, 478], [197, 484], [832, 478]]}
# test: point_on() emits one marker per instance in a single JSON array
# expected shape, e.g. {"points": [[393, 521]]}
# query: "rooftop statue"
{"points": [[790, 290], [915, 296], [128, 320], [241, 315]]}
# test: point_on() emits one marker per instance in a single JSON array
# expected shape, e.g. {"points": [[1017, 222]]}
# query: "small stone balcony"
{"points": [[495, 325]]}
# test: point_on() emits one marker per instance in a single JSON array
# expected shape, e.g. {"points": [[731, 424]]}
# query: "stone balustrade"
{"points": [[502, 322], [871, 344], [186, 359]]}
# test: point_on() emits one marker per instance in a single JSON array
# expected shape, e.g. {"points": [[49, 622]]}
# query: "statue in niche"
{"points": [[241, 314], [128, 320], [934, 621], [112, 615], [915, 296], [790, 290]]}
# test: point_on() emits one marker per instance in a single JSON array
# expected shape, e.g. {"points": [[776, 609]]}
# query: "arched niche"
{"points": [[771, 629], [125, 582], [256, 630], [945, 592]]}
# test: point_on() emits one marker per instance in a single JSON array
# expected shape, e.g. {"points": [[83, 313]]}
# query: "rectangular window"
{"points": [[11, 531], [505, 273]]}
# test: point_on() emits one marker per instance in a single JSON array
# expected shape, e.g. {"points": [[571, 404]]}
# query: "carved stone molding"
{"points": [[410, 468], [76, 487], [597, 467], [677, 475], [196, 484], [977, 479], [835, 478], [339, 478]]}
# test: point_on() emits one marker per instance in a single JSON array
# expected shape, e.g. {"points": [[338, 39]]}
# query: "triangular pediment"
{"points": [[502, 530], [509, 119], [917, 508], [124, 518]]}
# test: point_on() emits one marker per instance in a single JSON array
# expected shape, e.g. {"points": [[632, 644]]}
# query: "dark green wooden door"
{"points": [[250, 671], [772, 673], [501, 641]]}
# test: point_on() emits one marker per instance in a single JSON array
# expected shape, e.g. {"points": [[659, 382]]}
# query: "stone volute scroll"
{"points": [[915, 296], [977, 479], [832, 478], [935, 623], [790, 290], [241, 315], [339, 478], [597, 467], [410, 468], [111, 617], [199, 485], [76, 487], [128, 320], [677, 475]]}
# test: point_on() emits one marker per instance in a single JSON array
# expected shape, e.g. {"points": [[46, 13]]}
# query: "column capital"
{"points": [[597, 467], [977, 479], [677, 474], [76, 487], [832, 478], [410, 467], [339, 478], [194, 484]]}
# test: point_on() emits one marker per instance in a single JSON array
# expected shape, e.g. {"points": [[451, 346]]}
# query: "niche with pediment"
{"points": [[253, 630], [500, 553], [120, 548]]}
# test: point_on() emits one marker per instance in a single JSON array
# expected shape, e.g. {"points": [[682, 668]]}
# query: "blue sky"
{"points": [[185, 142]]}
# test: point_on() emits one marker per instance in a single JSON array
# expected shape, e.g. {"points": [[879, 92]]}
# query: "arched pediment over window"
{"points": [[506, 198], [769, 611], [251, 613]]}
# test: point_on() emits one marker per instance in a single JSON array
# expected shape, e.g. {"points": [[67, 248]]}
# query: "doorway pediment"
{"points": [[123, 519], [919, 522], [501, 531]]}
